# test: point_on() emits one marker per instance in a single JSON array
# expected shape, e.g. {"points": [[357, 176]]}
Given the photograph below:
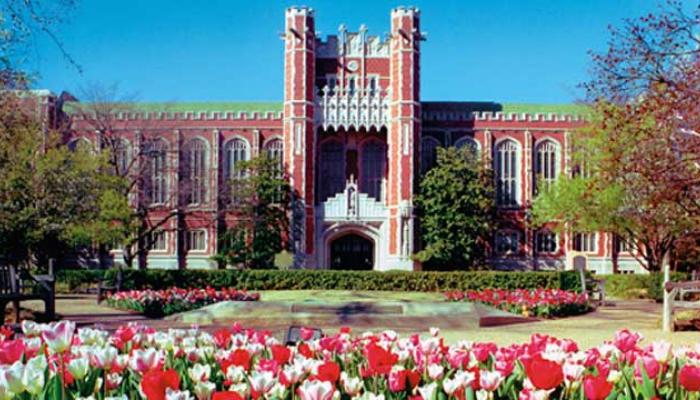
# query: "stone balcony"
{"points": [[345, 110]]}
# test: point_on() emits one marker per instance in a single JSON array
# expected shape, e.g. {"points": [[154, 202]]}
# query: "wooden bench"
{"points": [[675, 298], [106, 286], [595, 288], [17, 284]]}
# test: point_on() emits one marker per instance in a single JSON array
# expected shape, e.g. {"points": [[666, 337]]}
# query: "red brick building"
{"points": [[354, 137]]}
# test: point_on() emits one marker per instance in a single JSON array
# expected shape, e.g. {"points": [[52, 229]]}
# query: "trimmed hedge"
{"points": [[647, 286], [79, 279], [339, 280]]}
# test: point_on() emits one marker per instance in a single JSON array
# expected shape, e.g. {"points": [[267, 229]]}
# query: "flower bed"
{"points": [[545, 303], [157, 303], [54, 361]]}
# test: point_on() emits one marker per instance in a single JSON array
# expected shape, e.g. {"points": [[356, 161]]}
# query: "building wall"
{"points": [[376, 82]]}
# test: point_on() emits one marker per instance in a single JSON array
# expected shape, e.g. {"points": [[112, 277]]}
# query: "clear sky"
{"points": [[225, 50]]}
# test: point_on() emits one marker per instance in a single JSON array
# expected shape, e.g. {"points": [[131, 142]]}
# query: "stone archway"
{"points": [[351, 252]]}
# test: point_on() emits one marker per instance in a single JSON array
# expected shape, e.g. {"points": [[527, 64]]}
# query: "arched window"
{"points": [[195, 169], [236, 151], [332, 173], [158, 165], [469, 143], [506, 165], [546, 164], [373, 167], [122, 157], [275, 150], [428, 153]]}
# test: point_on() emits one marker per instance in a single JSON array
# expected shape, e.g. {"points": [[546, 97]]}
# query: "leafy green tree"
{"points": [[457, 211], [260, 200], [635, 175], [48, 193]]}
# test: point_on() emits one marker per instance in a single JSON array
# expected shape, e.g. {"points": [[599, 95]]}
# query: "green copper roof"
{"points": [[209, 106], [534, 108]]}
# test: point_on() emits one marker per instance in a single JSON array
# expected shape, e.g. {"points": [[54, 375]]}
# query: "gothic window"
{"points": [[158, 240], [507, 170], [586, 242], [622, 245], [158, 166], [546, 164], [469, 143], [122, 157], [507, 242], [373, 85], [332, 169], [275, 150], [236, 151], [546, 241], [373, 167], [196, 240], [195, 168], [428, 153]]}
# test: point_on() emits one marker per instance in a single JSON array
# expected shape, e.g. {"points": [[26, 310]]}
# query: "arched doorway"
{"points": [[352, 252]]}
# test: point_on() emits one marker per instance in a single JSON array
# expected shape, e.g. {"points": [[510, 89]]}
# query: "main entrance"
{"points": [[352, 252]]}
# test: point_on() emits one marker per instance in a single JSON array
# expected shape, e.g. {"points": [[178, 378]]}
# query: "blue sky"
{"points": [[223, 50]]}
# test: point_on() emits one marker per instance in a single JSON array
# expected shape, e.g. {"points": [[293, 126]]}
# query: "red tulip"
{"points": [[544, 374], [596, 387], [11, 351], [226, 396], [155, 383], [689, 378], [328, 372], [380, 360], [280, 353]]}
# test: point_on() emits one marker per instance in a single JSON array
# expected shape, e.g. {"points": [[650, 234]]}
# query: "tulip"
{"points": [[661, 350], [351, 385], [689, 378], [397, 380], [203, 390], [596, 387], [154, 383], [315, 390], [200, 372], [104, 357], [59, 336], [262, 382], [436, 371], [174, 394], [544, 374], [428, 391], [329, 371], [14, 377], [142, 360], [626, 340], [11, 351], [226, 396], [490, 380], [78, 367]]}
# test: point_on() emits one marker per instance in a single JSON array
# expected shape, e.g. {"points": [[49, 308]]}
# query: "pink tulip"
{"points": [[626, 341], [315, 390], [490, 380], [59, 336]]}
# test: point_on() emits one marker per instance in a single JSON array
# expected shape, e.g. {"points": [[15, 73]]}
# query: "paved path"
{"points": [[588, 330]]}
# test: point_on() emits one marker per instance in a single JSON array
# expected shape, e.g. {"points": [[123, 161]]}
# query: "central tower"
{"points": [[351, 133]]}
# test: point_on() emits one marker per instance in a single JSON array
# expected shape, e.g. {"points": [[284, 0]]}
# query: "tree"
{"points": [[20, 23], [456, 210], [47, 192], [629, 179], [639, 158], [260, 197], [124, 217]]}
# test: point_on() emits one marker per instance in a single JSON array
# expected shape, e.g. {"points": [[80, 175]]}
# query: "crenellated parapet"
{"points": [[188, 116], [489, 116]]}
